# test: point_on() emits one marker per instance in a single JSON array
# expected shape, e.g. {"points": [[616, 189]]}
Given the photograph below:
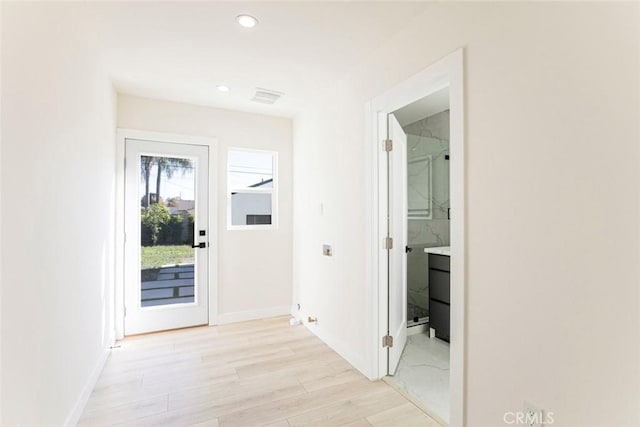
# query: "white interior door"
{"points": [[166, 236], [398, 231]]}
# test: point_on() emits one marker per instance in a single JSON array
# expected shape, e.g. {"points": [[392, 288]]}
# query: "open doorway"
{"points": [[422, 370], [417, 128]]}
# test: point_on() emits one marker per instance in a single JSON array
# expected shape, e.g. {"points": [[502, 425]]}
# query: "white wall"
{"points": [[249, 204], [58, 164], [254, 276], [552, 98]]}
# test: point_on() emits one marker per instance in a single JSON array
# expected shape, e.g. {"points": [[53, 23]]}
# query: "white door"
{"points": [[397, 161], [166, 236]]}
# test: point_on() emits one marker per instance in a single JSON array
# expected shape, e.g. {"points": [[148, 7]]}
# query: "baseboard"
{"points": [[418, 329], [336, 345], [295, 311], [262, 313], [78, 408]]}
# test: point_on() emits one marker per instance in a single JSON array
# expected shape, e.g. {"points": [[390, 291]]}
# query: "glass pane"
{"points": [[250, 208], [419, 187], [167, 216], [250, 169]]}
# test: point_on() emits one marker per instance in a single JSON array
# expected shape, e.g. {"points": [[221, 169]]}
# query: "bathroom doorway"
{"points": [[417, 128], [422, 370]]}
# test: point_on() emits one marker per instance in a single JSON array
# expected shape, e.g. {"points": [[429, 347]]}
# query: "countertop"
{"points": [[440, 250]]}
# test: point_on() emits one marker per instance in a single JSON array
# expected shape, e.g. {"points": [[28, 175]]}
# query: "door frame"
{"points": [[447, 72], [212, 143]]}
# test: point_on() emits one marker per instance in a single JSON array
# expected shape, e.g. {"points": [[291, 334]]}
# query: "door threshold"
{"points": [[415, 402], [143, 334]]}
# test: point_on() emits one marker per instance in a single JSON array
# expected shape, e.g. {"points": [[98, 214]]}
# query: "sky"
{"points": [[246, 168], [180, 185]]}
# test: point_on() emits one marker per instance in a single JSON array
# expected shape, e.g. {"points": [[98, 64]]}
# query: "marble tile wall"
{"points": [[436, 126], [427, 137]]}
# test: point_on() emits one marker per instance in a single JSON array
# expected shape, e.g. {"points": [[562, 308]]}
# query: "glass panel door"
{"points": [[166, 225]]}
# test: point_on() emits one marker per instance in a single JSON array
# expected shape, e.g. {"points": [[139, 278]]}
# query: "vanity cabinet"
{"points": [[439, 294]]}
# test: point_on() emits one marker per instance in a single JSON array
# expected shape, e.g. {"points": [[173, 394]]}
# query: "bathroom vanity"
{"points": [[439, 290]]}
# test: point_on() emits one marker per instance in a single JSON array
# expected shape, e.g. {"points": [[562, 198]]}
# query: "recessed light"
{"points": [[247, 21], [223, 88]]}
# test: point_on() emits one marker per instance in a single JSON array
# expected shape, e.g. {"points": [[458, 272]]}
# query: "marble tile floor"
{"points": [[423, 373]]}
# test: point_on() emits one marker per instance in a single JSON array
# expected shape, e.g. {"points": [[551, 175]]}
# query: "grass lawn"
{"points": [[157, 256]]}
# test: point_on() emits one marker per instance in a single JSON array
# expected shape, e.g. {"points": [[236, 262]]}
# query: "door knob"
{"points": [[201, 245], [407, 249]]}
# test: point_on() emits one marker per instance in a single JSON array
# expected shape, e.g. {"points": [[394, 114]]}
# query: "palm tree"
{"points": [[168, 166], [145, 165]]}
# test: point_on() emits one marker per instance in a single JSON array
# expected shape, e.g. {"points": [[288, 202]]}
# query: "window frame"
{"points": [[272, 190]]}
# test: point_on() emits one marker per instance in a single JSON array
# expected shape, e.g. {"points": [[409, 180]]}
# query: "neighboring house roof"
{"points": [[180, 206], [262, 183], [184, 205]]}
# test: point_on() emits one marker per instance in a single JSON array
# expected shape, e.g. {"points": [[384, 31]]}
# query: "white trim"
{"points": [[141, 319], [260, 313], [457, 238], [417, 329], [74, 416], [373, 242], [446, 72], [121, 136]]}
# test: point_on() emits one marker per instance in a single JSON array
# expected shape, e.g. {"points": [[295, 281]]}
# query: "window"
{"points": [[252, 184]]}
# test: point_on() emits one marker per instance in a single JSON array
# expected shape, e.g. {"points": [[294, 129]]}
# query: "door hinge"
{"points": [[388, 243], [388, 145], [387, 341]]}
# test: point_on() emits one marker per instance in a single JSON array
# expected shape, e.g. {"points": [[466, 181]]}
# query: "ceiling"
{"points": [[181, 51], [423, 108]]}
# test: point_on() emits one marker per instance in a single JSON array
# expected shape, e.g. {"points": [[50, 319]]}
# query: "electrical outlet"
{"points": [[533, 415]]}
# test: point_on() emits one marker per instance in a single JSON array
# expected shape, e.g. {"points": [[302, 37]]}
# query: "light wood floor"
{"points": [[259, 373]]}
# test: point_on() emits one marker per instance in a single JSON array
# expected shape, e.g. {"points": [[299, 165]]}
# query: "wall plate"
{"points": [[533, 415]]}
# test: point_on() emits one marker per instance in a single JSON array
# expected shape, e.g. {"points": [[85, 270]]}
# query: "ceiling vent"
{"points": [[266, 96]]}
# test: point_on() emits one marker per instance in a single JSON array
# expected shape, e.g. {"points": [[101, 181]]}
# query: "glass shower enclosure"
{"points": [[428, 216]]}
